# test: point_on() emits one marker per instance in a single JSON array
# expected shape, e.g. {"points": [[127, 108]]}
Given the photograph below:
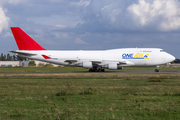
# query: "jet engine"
{"points": [[113, 66], [87, 65]]}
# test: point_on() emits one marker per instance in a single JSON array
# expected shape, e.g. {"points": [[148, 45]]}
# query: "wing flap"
{"points": [[71, 61]]}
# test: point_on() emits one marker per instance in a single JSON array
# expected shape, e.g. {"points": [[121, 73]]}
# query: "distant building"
{"points": [[21, 63], [9, 63], [24, 63], [40, 62]]}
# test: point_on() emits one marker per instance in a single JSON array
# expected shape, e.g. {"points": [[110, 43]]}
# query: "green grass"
{"points": [[93, 98], [40, 69]]}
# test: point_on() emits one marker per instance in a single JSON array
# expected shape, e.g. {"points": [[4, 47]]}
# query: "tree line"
{"points": [[8, 57], [177, 60]]}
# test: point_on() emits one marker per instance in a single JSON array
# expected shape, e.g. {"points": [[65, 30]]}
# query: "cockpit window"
{"points": [[162, 51]]}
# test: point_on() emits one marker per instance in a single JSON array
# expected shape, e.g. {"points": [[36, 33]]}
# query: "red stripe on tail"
{"points": [[24, 41]]}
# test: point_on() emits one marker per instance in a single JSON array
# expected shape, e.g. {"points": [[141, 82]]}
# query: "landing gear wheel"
{"points": [[156, 70], [96, 70], [90, 70], [99, 70]]}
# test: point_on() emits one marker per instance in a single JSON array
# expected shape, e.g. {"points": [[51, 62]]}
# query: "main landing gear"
{"points": [[96, 70], [157, 69]]}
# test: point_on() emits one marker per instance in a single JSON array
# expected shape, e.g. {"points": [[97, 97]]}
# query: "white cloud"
{"points": [[110, 13], [7, 34], [158, 15], [114, 14], [3, 20], [79, 41], [56, 0], [81, 3], [61, 26], [14, 2], [61, 35], [164, 12]]}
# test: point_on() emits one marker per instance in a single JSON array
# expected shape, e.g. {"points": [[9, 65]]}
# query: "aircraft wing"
{"points": [[97, 62]]}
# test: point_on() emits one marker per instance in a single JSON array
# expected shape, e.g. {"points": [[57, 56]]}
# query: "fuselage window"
{"points": [[146, 51]]}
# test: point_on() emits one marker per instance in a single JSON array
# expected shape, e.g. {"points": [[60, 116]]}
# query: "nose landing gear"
{"points": [[157, 69]]}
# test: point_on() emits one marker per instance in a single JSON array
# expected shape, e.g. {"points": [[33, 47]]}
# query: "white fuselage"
{"points": [[94, 60], [102, 58]]}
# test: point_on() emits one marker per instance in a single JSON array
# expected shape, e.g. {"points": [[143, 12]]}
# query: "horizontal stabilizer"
{"points": [[23, 53]]}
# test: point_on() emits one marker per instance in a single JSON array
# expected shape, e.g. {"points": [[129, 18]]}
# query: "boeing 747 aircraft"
{"points": [[95, 61]]}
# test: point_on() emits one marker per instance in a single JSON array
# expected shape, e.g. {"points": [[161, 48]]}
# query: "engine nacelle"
{"points": [[87, 65], [113, 66]]}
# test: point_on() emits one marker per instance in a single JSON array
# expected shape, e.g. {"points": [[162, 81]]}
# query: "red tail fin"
{"points": [[24, 41]]}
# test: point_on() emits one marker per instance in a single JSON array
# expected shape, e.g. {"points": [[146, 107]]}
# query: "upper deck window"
{"points": [[162, 51]]}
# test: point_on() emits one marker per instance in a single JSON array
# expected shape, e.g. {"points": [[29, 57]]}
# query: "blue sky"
{"points": [[93, 24]]}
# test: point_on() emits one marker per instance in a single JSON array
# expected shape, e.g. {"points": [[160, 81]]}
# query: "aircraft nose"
{"points": [[171, 58]]}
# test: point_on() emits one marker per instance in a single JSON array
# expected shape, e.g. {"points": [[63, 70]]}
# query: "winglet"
{"points": [[24, 41]]}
